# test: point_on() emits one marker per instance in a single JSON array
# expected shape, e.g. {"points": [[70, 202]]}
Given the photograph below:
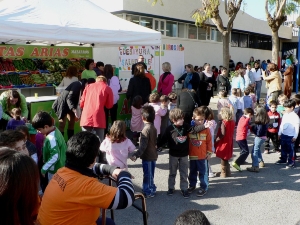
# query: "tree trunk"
{"points": [[226, 50], [275, 46]]}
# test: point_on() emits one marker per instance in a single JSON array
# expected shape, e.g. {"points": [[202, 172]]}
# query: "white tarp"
{"points": [[68, 21]]}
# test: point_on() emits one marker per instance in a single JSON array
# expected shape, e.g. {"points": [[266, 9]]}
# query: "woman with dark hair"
{"points": [[19, 183], [273, 81], [65, 106], [71, 76], [139, 85], [12, 99], [206, 83], [190, 79], [288, 78], [114, 83], [89, 70]]}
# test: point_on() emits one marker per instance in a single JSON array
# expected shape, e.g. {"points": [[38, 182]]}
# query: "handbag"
{"points": [[196, 105], [78, 109]]}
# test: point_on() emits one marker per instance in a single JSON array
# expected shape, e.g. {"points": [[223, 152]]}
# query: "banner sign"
{"points": [[31, 51], [128, 55]]}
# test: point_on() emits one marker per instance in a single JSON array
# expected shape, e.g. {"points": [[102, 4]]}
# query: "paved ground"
{"points": [[269, 197]]}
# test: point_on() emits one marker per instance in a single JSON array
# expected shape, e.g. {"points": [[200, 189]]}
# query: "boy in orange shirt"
{"points": [[200, 150]]}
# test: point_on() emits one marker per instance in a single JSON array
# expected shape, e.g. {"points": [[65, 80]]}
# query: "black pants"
{"points": [[296, 146], [274, 138], [113, 115], [244, 152]]}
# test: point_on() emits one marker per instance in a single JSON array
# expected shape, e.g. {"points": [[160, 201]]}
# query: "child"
{"points": [[176, 137], [273, 128], [54, 148], [160, 110], [233, 99], [222, 102], [247, 99], [173, 101], [260, 131], [241, 138], [224, 140], [288, 133], [240, 107], [280, 108], [147, 151], [30, 147], [252, 96], [16, 120], [117, 146], [200, 150], [136, 122], [211, 123], [164, 119], [297, 111]]}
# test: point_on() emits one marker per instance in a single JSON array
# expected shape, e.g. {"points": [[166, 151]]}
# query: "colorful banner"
{"points": [[31, 51], [128, 55], [124, 111]]}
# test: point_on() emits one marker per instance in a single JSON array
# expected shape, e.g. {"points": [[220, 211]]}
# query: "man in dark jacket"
{"points": [[140, 61], [223, 81]]}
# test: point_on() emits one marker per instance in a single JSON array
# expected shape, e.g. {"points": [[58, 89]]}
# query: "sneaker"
{"points": [[170, 192], [266, 151], [261, 164], [191, 189], [159, 149], [185, 193], [253, 169], [236, 166], [291, 165], [149, 196], [211, 175], [280, 161], [201, 192]]}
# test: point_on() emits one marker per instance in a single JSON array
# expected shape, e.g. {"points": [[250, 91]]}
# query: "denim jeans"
{"points": [[199, 166], [256, 153], [287, 148], [244, 151], [148, 178], [258, 89]]}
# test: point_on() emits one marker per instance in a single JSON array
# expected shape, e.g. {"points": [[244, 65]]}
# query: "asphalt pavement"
{"points": [[269, 197]]}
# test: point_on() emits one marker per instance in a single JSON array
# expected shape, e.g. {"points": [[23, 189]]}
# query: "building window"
{"points": [[260, 42], [133, 19], [171, 29], [239, 40], [182, 30], [201, 33], [243, 41], [215, 35], [192, 32], [146, 22]]}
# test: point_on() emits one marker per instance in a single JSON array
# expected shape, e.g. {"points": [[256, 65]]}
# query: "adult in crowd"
{"points": [[206, 84], [257, 74], [187, 101], [239, 65], [231, 64], [166, 80], [264, 64], [99, 69], [251, 61], [89, 70], [140, 60], [71, 76], [288, 78], [12, 99], [223, 80], [189, 80], [19, 183], [238, 80], [139, 85], [66, 105], [114, 83], [273, 81], [75, 195], [248, 76], [94, 99]]}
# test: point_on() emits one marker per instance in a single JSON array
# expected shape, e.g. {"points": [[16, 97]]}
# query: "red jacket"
{"points": [[95, 97], [242, 128], [165, 86], [275, 121]]}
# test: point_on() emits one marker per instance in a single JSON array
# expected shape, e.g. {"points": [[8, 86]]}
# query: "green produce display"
{"points": [[26, 79], [19, 65], [4, 80], [38, 78], [29, 64], [57, 77], [14, 78]]}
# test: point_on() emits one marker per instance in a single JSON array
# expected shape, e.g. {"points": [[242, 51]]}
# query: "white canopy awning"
{"points": [[68, 21]]}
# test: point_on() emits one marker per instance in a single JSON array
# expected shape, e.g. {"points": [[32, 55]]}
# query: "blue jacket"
{"points": [[247, 101], [260, 130], [238, 82]]}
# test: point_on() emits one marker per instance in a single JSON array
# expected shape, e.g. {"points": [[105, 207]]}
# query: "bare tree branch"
{"points": [[226, 10], [280, 10]]}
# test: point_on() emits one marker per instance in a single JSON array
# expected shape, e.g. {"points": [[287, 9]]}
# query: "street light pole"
{"points": [[298, 58]]}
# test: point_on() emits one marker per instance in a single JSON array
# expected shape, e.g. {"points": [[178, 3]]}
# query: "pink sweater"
{"points": [[159, 112], [136, 122], [117, 153]]}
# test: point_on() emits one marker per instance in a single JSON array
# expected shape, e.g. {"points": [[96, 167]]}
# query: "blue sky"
{"points": [[255, 8]]}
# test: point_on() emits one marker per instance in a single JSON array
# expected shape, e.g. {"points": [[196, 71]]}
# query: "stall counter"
{"points": [[44, 103]]}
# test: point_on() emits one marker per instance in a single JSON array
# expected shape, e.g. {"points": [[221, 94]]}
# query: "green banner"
{"points": [[31, 51]]}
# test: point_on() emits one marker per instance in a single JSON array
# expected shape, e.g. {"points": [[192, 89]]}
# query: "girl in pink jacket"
{"points": [[117, 146], [160, 110]]}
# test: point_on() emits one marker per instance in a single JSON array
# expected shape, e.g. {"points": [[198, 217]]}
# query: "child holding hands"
{"points": [[224, 140]]}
